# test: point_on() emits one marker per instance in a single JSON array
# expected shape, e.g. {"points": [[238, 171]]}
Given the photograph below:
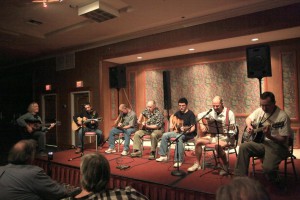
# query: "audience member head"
{"points": [[33, 107], [22, 152], [95, 172], [242, 188]]}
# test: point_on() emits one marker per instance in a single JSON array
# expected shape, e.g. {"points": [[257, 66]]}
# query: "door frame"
{"points": [[43, 114]]}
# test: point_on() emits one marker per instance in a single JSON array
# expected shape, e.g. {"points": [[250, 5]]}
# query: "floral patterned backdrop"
{"points": [[289, 73], [200, 83]]}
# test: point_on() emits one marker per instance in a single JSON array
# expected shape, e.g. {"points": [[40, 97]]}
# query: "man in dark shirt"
{"points": [[20, 180], [183, 120], [88, 122], [32, 127]]}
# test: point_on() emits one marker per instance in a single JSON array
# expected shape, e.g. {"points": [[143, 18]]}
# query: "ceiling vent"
{"points": [[98, 11]]}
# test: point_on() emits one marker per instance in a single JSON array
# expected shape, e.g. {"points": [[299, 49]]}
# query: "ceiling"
{"points": [[30, 31]]}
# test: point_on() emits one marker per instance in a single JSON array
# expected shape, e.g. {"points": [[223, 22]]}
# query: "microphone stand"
{"points": [[82, 145], [179, 172]]}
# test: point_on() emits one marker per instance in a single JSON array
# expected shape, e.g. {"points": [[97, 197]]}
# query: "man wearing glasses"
{"points": [[273, 145], [185, 122]]}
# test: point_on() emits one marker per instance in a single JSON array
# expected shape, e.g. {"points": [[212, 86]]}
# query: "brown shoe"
{"points": [[78, 150]]}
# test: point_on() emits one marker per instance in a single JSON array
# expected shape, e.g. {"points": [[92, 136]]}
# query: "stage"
{"points": [[154, 179]]}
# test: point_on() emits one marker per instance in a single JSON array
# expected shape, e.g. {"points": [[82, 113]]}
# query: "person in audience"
{"points": [[21, 180], [86, 123], [125, 123], [271, 144], [151, 122], [183, 120], [95, 176], [242, 188], [226, 120], [32, 127]]}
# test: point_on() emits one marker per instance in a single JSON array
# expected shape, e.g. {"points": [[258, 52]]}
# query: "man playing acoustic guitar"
{"points": [[274, 148], [151, 122], [32, 127], [86, 123], [125, 123], [187, 120], [227, 119]]}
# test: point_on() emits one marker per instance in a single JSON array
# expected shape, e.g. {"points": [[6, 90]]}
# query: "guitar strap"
{"points": [[227, 124], [261, 123], [227, 117]]}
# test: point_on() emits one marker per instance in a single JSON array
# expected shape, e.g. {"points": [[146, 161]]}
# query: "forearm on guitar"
{"points": [[151, 126], [126, 127], [277, 138], [191, 129], [248, 122]]}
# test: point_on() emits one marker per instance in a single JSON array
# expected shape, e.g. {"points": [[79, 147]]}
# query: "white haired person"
{"points": [[95, 175]]}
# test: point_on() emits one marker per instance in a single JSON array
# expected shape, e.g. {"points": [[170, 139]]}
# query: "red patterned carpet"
{"points": [[154, 179]]}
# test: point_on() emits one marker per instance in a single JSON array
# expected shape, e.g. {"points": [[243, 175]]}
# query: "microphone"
{"points": [[208, 112], [205, 114]]}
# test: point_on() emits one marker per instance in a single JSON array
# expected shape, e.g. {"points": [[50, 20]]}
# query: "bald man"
{"points": [[224, 115], [151, 122], [21, 180], [125, 123]]}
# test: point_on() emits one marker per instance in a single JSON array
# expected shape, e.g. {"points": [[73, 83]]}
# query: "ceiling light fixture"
{"points": [[191, 49], [254, 39], [45, 2], [139, 57]]}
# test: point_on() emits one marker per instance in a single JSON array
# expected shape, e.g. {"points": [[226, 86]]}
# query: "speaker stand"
{"points": [[118, 91], [260, 90]]}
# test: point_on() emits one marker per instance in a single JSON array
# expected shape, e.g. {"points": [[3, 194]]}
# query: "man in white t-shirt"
{"points": [[273, 145]]}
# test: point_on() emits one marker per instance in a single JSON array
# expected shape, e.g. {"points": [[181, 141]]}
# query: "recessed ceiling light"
{"points": [[254, 39], [139, 57], [191, 49]]}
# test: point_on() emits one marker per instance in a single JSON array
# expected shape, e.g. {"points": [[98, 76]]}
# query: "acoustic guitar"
{"points": [[177, 124], [118, 121], [37, 126], [83, 121], [257, 134], [142, 125], [209, 125]]}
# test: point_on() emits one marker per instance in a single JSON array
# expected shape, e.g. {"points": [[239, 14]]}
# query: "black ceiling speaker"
{"points": [[258, 61], [117, 77]]}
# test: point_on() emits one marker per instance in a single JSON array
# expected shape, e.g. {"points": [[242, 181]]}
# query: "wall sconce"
{"points": [[79, 84], [48, 87]]}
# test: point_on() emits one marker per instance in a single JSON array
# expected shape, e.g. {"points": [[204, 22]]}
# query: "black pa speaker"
{"points": [[259, 61], [117, 77], [167, 90]]}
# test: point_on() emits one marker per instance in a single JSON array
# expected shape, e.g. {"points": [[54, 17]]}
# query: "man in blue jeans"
{"points": [[183, 120], [88, 121], [126, 123]]}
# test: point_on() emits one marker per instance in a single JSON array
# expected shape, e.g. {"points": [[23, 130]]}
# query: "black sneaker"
{"points": [[152, 156]]}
